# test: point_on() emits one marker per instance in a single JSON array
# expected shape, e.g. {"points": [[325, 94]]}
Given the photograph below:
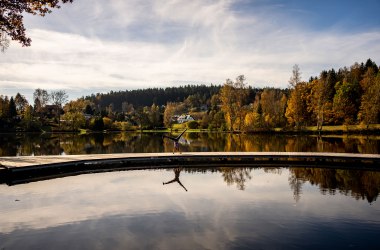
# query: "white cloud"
{"points": [[134, 44]]}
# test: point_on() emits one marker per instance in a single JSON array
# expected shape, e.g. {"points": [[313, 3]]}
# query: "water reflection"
{"points": [[354, 183], [177, 171], [133, 210], [237, 176], [54, 144]]}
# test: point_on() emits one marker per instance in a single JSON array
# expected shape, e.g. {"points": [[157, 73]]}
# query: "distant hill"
{"points": [[159, 96]]}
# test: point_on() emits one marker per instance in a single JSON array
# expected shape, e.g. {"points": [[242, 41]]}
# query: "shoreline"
{"points": [[373, 129]]}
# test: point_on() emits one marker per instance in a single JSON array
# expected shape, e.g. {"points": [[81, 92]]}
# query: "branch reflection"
{"points": [[355, 183], [238, 176]]}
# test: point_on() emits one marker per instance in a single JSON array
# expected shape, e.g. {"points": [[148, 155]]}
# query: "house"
{"points": [[184, 118], [174, 118]]}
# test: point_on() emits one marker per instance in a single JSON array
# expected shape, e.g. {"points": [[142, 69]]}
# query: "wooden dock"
{"points": [[13, 162], [42, 167]]}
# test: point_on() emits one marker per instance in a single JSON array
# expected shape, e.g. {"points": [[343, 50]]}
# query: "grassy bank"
{"points": [[338, 129], [361, 129]]}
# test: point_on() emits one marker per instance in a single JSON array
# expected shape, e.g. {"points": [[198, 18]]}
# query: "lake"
{"points": [[208, 208], [100, 143], [236, 207]]}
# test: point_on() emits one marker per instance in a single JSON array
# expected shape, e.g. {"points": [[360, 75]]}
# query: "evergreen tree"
{"points": [[12, 109]]}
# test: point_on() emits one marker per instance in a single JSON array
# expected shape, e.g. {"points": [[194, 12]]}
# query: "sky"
{"points": [[93, 46]]}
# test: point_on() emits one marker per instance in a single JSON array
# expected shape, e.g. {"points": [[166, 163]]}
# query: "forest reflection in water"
{"points": [[101, 143], [196, 208], [359, 184]]}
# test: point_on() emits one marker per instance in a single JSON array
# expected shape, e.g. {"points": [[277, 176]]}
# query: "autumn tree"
{"points": [[323, 93], [41, 98], [253, 119], [232, 97], [318, 102], [294, 108], [213, 120], [295, 79], [355, 73], [12, 18], [241, 92], [206, 120], [226, 96], [273, 105], [78, 105], [141, 116], [193, 101], [154, 116], [58, 98], [4, 107], [370, 100], [126, 107], [110, 111], [214, 117], [215, 102], [344, 106], [21, 103], [75, 120], [168, 114], [28, 119], [298, 111], [267, 106], [73, 115]]}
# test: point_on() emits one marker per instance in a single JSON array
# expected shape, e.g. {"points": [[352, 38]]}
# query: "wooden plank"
{"points": [[29, 161]]}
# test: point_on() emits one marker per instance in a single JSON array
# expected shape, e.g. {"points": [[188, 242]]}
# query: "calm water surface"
{"points": [[55, 144], [219, 208]]}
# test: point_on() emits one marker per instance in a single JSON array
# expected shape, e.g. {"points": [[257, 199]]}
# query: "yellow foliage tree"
{"points": [[370, 101], [298, 110], [232, 96]]}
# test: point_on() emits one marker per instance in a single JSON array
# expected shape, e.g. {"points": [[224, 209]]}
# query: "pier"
{"points": [[30, 168]]}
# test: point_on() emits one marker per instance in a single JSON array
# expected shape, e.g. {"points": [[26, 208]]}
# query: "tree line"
{"points": [[347, 96], [350, 95]]}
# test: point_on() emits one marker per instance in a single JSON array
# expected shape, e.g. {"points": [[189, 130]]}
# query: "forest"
{"points": [[347, 96]]}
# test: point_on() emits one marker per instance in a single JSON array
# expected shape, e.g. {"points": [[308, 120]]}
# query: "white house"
{"points": [[185, 118]]}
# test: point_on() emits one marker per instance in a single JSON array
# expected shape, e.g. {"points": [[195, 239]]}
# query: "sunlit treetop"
{"points": [[11, 17]]}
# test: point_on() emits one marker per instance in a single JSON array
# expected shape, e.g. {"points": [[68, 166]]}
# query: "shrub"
{"points": [[107, 123], [122, 126], [97, 124], [192, 125]]}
